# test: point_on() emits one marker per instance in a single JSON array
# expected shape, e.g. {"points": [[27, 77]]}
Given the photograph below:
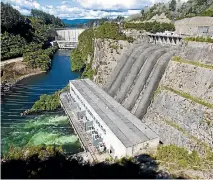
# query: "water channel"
{"points": [[49, 129]]}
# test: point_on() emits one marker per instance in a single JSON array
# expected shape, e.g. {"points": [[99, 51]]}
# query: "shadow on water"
{"points": [[142, 167]]}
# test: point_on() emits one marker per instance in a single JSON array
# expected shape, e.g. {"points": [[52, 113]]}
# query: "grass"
{"points": [[178, 158], [157, 91], [113, 46], [174, 125], [188, 96], [199, 39], [195, 63]]}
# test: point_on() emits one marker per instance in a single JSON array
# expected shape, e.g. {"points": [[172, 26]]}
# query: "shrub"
{"points": [[199, 39], [152, 27]]}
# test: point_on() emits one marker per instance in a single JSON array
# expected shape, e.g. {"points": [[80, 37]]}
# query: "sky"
{"points": [[83, 9]]}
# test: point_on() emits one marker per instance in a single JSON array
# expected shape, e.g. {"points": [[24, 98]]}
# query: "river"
{"points": [[49, 129]]}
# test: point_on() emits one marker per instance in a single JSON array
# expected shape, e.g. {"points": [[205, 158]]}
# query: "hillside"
{"points": [[20, 33], [177, 10], [27, 37]]}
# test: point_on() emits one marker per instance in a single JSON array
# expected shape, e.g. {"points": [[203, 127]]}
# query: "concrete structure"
{"points": [[112, 127], [195, 26], [163, 38], [68, 38]]}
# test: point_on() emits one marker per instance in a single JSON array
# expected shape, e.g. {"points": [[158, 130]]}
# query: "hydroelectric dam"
{"points": [[67, 38], [122, 102]]}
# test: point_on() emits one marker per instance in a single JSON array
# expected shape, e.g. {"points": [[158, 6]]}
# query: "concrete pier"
{"points": [[165, 39]]}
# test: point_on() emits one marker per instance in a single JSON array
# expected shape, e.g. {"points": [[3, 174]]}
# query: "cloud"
{"points": [[113, 4], [64, 2], [25, 4], [22, 11], [73, 9], [69, 12]]}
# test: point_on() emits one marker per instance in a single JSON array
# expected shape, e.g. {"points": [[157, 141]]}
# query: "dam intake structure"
{"points": [[137, 75]]}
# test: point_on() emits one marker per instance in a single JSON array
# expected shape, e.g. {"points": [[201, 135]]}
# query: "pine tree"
{"points": [[172, 5]]}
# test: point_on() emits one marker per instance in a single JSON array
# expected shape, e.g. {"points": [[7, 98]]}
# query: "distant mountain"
{"points": [[76, 22]]}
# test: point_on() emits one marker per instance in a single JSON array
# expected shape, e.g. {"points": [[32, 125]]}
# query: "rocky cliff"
{"points": [[108, 52], [106, 55]]}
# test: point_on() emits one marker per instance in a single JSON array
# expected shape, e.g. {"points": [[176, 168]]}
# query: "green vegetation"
{"points": [[194, 63], [152, 27], [88, 71], [47, 102], [42, 151], [172, 5], [176, 126], [190, 97], [20, 32], [12, 45], [178, 158], [85, 49], [193, 8], [110, 31], [174, 9], [157, 8], [47, 18], [199, 39], [40, 58]]}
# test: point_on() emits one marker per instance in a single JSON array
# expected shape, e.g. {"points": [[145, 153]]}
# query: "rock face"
{"points": [[201, 52], [106, 55], [182, 110]]}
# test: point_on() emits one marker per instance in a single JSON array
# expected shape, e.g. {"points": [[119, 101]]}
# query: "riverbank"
{"points": [[3, 63], [7, 85]]}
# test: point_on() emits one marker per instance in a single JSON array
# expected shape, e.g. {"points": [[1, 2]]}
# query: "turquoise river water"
{"points": [[49, 129]]}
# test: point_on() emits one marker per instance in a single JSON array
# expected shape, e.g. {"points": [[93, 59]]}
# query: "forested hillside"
{"points": [[28, 36], [177, 10]]}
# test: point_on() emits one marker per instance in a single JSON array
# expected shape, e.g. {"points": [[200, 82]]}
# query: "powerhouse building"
{"points": [[111, 125]]}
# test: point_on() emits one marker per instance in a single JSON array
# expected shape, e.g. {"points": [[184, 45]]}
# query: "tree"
{"points": [[172, 5], [13, 22], [120, 18], [46, 18]]}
